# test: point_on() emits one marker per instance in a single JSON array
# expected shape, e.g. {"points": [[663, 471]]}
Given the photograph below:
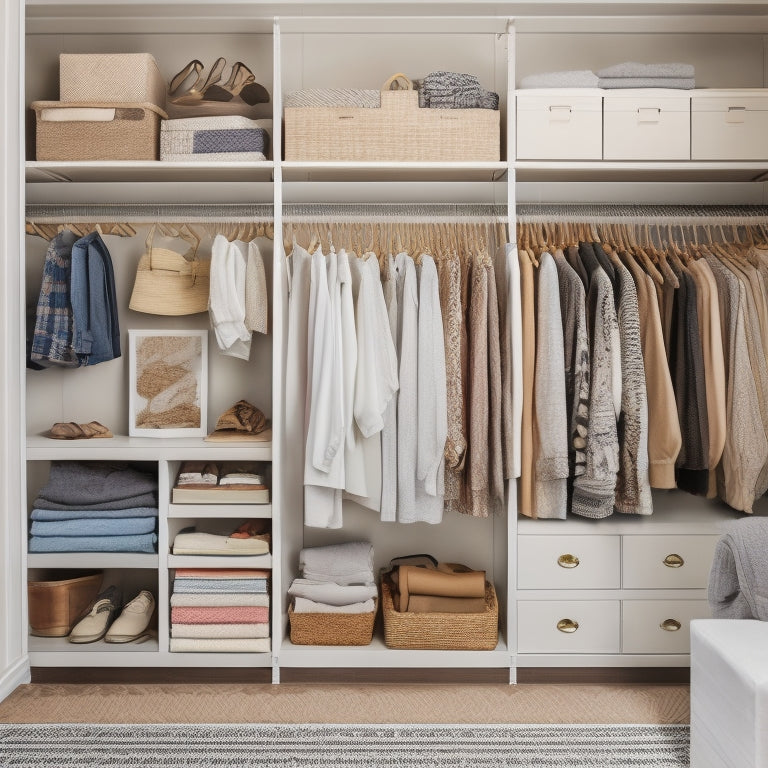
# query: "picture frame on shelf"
{"points": [[168, 383]]}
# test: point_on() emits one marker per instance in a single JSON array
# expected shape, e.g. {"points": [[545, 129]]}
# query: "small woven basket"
{"points": [[134, 134], [55, 606], [332, 628], [440, 631]]}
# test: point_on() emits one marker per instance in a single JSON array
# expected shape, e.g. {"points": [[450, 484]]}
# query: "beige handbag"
{"points": [[171, 283]]}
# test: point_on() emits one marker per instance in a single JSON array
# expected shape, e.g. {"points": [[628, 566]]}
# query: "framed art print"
{"points": [[168, 383]]}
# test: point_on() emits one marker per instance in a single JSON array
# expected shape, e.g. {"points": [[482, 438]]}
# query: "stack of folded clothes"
{"points": [[422, 585], [95, 506], [454, 90], [335, 579], [631, 74], [251, 538], [214, 139], [220, 611]]}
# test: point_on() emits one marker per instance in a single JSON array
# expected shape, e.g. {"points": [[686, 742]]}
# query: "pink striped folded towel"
{"points": [[239, 614]]}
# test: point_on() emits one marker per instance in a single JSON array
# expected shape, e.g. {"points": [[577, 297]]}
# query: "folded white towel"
{"points": [[578, 78], [214, 599], [78, 115], [223, 645], [330, 593], [350, 563], [302, 605], [216, 631], [199, 543]]}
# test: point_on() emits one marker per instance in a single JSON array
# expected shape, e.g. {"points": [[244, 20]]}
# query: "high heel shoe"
{"points": [[241, 82], [175, 89], [196, 92]]}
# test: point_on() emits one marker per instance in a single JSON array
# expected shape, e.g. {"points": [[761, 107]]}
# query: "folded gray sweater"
{"points": [[636, 69], [738, 581], [91, 482], [577, 78], [681, 83]]}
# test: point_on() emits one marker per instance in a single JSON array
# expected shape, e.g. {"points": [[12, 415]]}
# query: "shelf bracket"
{"points": [[275, 671]]}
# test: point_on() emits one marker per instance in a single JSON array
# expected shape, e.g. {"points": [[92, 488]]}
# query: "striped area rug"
{"points": [[343, 746]]}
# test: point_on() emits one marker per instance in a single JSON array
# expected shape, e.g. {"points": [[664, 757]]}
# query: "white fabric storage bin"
{"points": [[560, 124], [647, 124], [729, 124]]}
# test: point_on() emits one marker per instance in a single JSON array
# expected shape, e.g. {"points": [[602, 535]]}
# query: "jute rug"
{"points": [[344, 746]]}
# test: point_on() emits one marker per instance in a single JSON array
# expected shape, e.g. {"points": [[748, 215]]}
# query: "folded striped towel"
{"points": [[220, 645], [213, 599], [212, 586], [222, 573], [212, 631], [94, 526], [236, 614]]}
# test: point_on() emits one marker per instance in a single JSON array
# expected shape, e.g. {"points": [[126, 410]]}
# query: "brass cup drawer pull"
{"points": [[670, 625], [568, 561], [567, 625], [673, 561]]}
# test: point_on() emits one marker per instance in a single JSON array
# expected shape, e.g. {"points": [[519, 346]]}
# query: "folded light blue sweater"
{"points": [[91, 514], [95, 526], [138, 543]]}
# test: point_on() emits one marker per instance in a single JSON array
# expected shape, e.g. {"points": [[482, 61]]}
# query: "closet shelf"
{"points": [[95, 171], [608, 170], [102, 560], [48, 645], [120, 447], [390, 171], [377, 655], [225, 511], [224, 561]]}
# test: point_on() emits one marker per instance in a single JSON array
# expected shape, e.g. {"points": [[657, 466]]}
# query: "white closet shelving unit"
{"points": [[305, 44]]}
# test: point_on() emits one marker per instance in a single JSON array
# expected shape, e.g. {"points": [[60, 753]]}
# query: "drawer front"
{"points": [[667, 562], [559, 131], [737, 134], [659, 626], [568, 562], [561, 626], [647, 134]]}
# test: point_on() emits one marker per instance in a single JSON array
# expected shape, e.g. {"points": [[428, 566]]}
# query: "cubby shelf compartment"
{"points": [[124, 448], [92, 560], [225, 511], [224, 561]]}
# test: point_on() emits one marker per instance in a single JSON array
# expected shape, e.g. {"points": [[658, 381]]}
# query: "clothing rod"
{"points": [[693, 215], [146, 214], [389, 213]]}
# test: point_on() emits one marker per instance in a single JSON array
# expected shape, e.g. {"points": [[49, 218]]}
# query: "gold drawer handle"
{"points": [[670, 625], [674, 561], [568, 561], [567, 625]]}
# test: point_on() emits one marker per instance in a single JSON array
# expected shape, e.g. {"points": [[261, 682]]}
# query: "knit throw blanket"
{"points": [[241, 614]]}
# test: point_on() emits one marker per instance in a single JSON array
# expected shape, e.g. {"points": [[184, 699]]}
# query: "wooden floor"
{"points": [[334, 703]]}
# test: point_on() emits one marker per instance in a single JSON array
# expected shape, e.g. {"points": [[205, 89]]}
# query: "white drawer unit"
{"points": [[667, 562], [568, 562], [560, 124], [659, 626], [646, 124], [729, 124], [564, 626]]}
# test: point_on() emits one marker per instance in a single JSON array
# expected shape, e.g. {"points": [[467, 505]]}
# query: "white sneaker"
{"points": [[132, 623]]}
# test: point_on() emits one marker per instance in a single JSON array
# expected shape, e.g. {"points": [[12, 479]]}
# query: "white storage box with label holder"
{"points": [[729, 124], [647, 124], [560, 124]]}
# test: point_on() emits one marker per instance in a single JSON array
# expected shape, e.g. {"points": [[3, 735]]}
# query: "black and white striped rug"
{"points": [[344, 746]]}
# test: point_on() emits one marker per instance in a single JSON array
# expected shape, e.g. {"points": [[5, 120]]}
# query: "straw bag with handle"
{"points": [[170, 283]]}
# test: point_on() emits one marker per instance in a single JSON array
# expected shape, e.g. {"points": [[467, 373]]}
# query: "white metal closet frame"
{"points": [[503, 183]]}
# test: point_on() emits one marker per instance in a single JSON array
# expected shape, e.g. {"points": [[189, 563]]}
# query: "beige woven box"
{"points": [[88, 132], [440, 631], [400, 131], [332, 628], [127, 77]]}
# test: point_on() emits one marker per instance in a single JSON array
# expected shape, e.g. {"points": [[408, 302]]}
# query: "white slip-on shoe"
{"points": [[94, 625], [132, 623]]}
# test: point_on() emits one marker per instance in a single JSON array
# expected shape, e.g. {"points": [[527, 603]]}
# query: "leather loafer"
{"points": [[101, 613], [132, 623]]}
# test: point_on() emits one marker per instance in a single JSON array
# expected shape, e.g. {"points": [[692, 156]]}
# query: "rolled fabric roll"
{"points": [[413, 580], [434, 604]]}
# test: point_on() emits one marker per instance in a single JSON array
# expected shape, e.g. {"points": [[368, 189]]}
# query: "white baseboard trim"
{"points": [[14, 676]]}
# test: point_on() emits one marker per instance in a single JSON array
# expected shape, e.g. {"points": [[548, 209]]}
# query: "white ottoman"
{"points": [[729, 693]]}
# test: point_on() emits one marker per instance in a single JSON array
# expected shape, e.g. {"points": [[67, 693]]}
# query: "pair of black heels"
{"points": [[186, 91]]}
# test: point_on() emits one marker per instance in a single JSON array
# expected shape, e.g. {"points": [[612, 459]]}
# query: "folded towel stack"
{"points": [[214, 139], [95, 507], [455, 90], [421, 585], [335, 579], [575, 78], [632, 74], [223, 610]]}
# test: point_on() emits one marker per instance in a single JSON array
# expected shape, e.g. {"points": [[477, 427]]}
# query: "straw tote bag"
{"points": [[171, 283]]}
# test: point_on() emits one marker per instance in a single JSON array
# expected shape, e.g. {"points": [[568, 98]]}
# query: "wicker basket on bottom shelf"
{"points": [[440, 631], [332, 628]]}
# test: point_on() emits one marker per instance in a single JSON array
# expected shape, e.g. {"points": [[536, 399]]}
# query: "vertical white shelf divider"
{"points": [[163, 547]]}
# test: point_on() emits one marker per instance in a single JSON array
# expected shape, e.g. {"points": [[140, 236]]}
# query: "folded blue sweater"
{"points": [[95, 526], [91, 514], [144, 542]]}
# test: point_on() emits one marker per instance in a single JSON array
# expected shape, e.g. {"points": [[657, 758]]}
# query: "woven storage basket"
{"points": [[399, 131], [134, 134], [332, 628], [55, 606], [124, 77], [440, 631]]}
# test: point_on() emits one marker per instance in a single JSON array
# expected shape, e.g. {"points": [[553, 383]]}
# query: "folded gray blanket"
{"points": [[455, 90], [682, 83], [636, 69], [575, 78], [738, 581], [90, 514], [145, 500], [91, 482]]}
